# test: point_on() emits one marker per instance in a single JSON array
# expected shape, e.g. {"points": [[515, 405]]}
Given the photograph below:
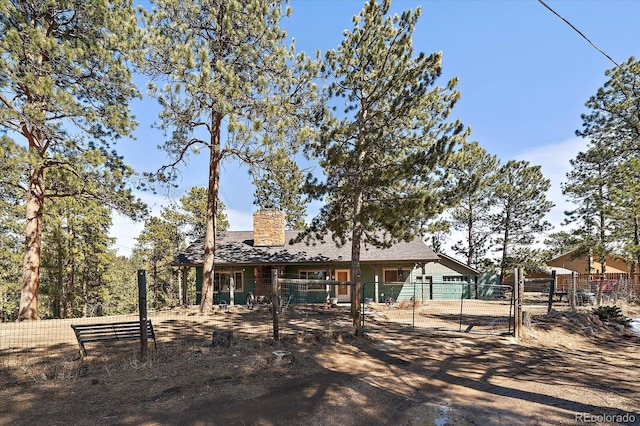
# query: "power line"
{"points": [[579, 32]]}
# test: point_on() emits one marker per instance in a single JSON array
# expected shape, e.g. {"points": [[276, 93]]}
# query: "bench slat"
{"points": [[105, 332]]}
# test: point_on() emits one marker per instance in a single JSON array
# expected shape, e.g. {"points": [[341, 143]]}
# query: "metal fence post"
{"points": [[552, 290], [519, 283], [275, 303], [142, 309]]}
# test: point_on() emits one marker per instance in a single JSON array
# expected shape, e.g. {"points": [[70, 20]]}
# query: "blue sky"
{"points": [[523, 73]]}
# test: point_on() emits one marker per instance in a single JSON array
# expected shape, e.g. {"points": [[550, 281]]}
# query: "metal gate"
{"points": [[471, 308]]}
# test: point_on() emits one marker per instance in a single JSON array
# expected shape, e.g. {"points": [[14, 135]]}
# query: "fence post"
{"points": [[142, 311], [552, 290], [461, 306], [519, 286], [275, 303], [414, 306], [572, 294]]}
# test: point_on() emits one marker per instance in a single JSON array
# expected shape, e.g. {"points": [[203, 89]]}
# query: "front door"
{"points": [[343, 292]]}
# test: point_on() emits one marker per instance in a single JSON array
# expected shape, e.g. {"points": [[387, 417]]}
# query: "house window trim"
{"points": [[227, 289], [406, 278], [457, 279], [305, 287]]}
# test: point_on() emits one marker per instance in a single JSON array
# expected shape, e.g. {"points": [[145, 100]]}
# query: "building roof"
{"points": [[560, 271], [236, 248], [459, 264]]}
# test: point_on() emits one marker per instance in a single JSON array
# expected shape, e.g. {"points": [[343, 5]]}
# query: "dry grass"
{"points": [[332, 377]]}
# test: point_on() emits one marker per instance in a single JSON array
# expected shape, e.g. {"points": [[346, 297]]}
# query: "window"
{"points": [[222, 281], [396, 275], [314, 275], [423, 279], [455, 279]]}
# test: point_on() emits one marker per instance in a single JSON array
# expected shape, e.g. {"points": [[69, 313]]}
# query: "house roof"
{"points": [[560, 271], [236, 247], [460, 265]]}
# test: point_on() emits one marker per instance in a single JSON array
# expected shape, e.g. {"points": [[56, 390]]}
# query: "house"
{"points": [[563, 276], [589, 264], [244, 261], [445, 279], [588, 271]]}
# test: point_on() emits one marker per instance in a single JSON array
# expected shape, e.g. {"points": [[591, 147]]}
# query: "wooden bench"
{"points": [[109, 332]]}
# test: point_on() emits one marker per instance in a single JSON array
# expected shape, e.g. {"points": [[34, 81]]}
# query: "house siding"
{"points": [[313, 295]]}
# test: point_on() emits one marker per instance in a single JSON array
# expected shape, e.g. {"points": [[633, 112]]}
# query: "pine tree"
{"points": [[162, 237], [190, 213], [589, 186], [380, 158], [279, 186], [521, 206], [64, 88], [561, 242], [614, 111], [626, 211], [225, 59], [11, 225], [157, 245], [613, 123], [75, 253], [475, 172]]}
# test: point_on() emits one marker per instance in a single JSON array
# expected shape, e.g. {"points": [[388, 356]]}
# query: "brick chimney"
{"points": [[268, 228]]}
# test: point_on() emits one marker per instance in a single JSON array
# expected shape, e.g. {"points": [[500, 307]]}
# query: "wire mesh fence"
{"points": [[303, 306], [312, 306], [445, 306], [580, 291], [175, 329], [590, 291]]}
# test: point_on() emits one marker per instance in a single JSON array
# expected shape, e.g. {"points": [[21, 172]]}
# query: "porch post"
{"points": [[232, 288], [327, 287], [376, 289], [183, 286]]}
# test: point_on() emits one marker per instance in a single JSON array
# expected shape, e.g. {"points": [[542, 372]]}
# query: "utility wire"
{"points": [[579, 32]]}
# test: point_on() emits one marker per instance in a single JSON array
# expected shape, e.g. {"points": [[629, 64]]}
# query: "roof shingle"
{"points": [[236, 247]]}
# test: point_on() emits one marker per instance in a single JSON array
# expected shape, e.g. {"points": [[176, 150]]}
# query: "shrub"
{"points": [[611, 313]]}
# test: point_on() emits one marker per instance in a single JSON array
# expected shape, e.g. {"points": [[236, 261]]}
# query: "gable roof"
{"points": [[459, 265], [236, 248]]}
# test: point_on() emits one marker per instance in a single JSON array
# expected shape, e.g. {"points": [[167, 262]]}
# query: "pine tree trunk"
{"points": [[70, 292], [355, 271], [60, 282], [503, 263], [85, 290], [471, 254], [33, 243], [215, 157], [634, 271], [155, 283]]}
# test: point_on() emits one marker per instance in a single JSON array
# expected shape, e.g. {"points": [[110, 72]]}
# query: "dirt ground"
{"points": [[567, 369]]}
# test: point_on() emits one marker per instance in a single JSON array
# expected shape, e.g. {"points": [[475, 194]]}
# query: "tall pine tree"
{"points": [[280, 186], [475, 171], [589, 186], [520, 209], [393, 131], [225, 60], [64, 89]]}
